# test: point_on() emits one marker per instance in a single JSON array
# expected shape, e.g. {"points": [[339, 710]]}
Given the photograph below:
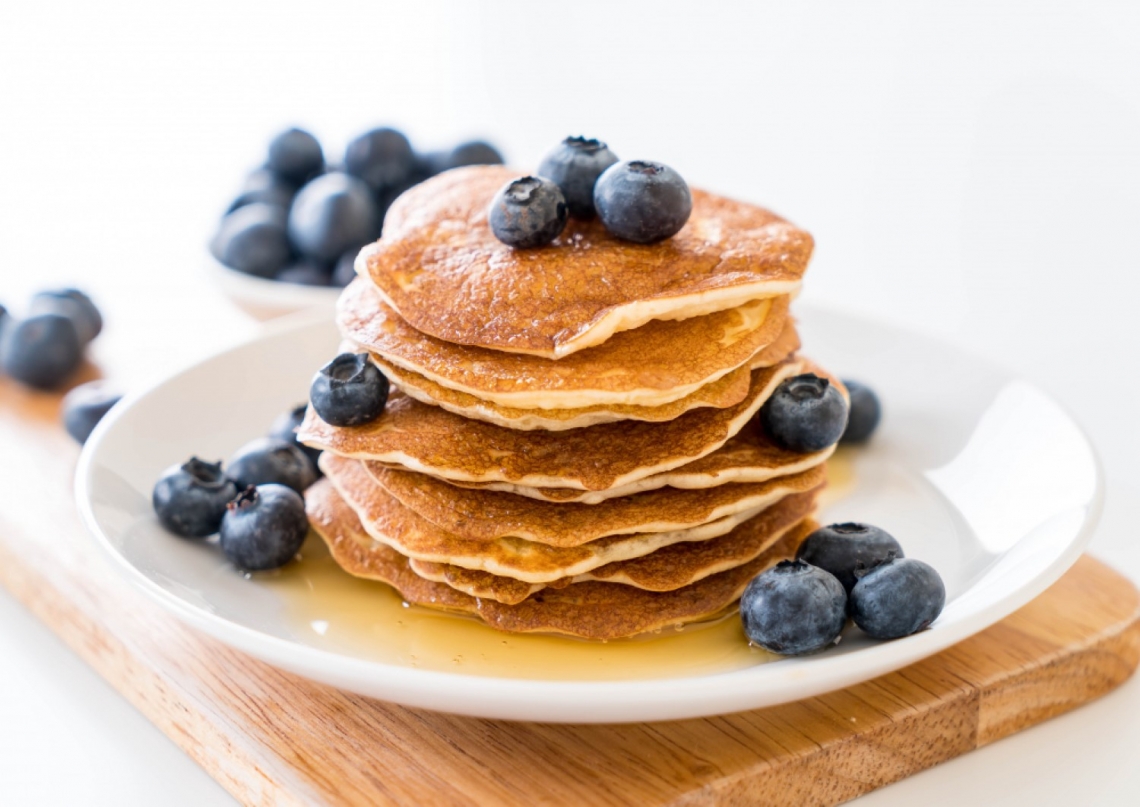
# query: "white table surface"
{"points": [[971, 172]]}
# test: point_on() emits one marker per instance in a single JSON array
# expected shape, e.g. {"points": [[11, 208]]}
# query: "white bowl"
{"points": [[264, 299]]}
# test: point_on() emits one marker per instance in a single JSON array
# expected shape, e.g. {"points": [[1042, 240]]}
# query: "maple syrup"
{"points": [[333, 611]]}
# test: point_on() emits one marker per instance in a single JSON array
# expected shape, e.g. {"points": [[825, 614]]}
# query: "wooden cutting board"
{"points": [[273, 738]]}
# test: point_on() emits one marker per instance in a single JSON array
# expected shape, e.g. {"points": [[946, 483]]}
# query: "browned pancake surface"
{"points": [[443, 270], [484, 515], [653, 364], [389, 522], [432, 440], [720, 394], [748, 456], [669, 568], [592, 610]]}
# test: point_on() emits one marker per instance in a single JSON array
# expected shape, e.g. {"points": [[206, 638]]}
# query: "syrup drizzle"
{"points": [[333, 611]]}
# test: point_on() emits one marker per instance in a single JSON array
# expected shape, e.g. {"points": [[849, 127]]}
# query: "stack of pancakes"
{"points": [[571, 443]]}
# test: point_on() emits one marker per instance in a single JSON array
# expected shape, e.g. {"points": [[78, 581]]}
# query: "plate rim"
{"points": [[559, 701]]}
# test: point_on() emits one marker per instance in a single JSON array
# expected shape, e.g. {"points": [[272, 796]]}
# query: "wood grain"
{"points": [[272, 738]]}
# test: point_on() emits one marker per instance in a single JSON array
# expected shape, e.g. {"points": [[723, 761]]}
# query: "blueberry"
{"points": [[345, 270], [805, 413], [253, 239], [85, 406], [264, 186], [473, 152], [264, 527], [75, 305], [295, 156], [41, 351], [268, 460], [285, 428], [642, 201], [332, 214], [384, 201], [864, 415], [349, 390], [575, 165], [191, 499], [897, 598], [304, 273], [793, 608], [5, 322], [844, 548], [429, 164], [383, 158], [528, 212]]}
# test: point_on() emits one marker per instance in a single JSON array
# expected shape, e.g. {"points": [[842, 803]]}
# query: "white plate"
{"points": [[975, 471]]}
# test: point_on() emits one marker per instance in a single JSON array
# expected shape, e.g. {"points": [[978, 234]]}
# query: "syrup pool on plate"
{"points": [[331, 610]]}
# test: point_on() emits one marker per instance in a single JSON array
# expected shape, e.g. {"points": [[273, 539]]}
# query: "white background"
{"points": [[970, 170]]}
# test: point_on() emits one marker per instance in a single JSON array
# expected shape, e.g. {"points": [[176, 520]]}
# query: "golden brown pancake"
{"points": [[720, 394], [442, 269], [653, 365], [591, 610], [749, 456], [669, 568], [389, 522], [483, 585], [484, 515], [434, 441]]}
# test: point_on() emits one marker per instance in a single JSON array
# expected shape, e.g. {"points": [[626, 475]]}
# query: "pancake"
{"points": [[720, 394], [484, 515], [442, 269], [482, 585], [434, 441], [669, 568], [389, 522], [653, 365], [590, 610], [749, 456]]}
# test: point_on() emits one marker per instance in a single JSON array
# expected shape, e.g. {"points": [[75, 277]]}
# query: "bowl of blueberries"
{"points": [[289, 238]]}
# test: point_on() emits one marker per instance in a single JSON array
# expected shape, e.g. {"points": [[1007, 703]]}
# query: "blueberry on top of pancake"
{"points": [[442, 269]]}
